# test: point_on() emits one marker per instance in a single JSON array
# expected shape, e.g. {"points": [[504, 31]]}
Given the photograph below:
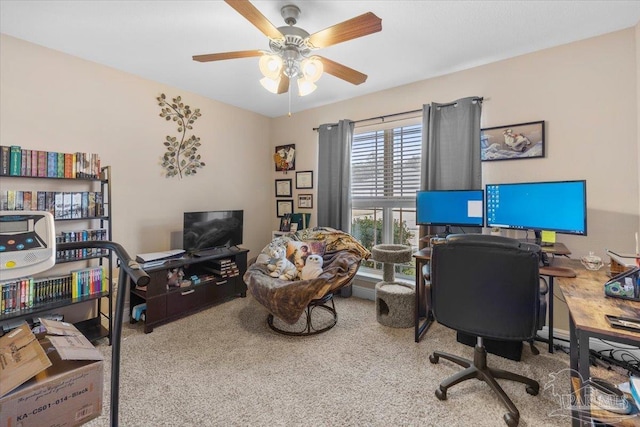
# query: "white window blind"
{"points": [[385, 167]]}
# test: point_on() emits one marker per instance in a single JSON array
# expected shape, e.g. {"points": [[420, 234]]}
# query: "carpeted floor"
{"points": [[225, 367]]}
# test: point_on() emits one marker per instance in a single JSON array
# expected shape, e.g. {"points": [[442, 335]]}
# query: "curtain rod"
{"points": [[402, 114]]}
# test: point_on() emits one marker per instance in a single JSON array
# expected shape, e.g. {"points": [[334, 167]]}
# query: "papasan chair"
{"points": [[305, 307]]}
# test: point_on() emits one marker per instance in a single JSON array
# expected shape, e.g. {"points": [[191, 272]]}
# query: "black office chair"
{"points": [[487, 286]]}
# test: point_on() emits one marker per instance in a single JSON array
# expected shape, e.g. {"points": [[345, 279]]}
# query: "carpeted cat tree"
{"points": [[395, 302]]}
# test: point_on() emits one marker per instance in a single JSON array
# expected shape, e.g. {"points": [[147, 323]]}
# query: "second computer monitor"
{"points": [[559, 206]]}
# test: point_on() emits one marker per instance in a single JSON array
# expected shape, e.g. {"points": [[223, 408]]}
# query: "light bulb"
{"points": [[305, 87], [270, 66], [312, 69], [270, 84]]}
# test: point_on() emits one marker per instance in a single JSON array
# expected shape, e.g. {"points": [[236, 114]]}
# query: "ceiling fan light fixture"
{"points": [[312, 69], [270, 84], [305, 87], [270, 66]]}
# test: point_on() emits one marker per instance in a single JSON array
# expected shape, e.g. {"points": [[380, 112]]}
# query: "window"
{"points": [[385, 175]]}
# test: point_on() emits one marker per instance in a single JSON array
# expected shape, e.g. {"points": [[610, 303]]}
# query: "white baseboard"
{"points": [[363, 292]]}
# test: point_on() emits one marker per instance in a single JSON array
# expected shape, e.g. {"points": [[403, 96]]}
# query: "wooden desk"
{"points": [[587, 305]]}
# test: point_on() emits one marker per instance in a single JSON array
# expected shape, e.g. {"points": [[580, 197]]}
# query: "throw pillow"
{"points": [[297, 252]]}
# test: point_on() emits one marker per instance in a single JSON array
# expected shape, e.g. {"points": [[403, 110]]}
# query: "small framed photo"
{"points": [[305, 201], [304, 179], [511, 142], [284, 207], [285, 223], [283, 187]]}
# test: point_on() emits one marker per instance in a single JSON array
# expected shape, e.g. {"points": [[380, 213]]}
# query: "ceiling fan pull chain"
{"points": [[289, 93]]}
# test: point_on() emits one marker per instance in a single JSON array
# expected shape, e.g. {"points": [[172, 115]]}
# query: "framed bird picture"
{"points": [[519, 141]]}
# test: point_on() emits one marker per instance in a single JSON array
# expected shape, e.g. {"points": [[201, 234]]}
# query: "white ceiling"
{"points": [[419, 39]]}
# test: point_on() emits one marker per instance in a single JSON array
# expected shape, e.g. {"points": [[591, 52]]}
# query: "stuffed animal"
{"points": [[280, 266], [312, 267]]}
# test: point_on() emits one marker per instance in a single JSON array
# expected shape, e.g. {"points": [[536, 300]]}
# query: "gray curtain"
{"points": [[334, 175], [451, 150], [451, 145]]}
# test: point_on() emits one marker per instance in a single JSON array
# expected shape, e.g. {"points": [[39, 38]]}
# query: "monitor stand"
{"points": [[447, 231], [538, 236]]}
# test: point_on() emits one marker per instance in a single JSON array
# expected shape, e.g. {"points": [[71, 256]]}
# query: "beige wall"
{"points": [[56, 102], [587, 94], [585, 91]]}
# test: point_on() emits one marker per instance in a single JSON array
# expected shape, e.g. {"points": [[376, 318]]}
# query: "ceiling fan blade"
{"points": [[227, 55], [342, 71], [253, 15], [283, 87], [353, 28]]}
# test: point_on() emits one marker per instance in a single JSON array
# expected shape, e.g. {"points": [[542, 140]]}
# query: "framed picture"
{"points": [[284, 207], [519, 141], [283, 187], [285, 158], [285, 223], [304, 179], [305, 201]]}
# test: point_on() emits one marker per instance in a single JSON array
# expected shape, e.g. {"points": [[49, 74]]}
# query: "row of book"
{"points": [[17, 161], [90, 235], [224, 268], [62, 205], [26, 293], [88, 281]]}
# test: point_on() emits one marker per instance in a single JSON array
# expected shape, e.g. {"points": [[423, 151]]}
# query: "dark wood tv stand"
{"points": [[165, 304]]}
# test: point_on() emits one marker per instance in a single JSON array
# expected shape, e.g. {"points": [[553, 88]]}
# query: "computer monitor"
{"points": [[559, 206], [448, 208]]}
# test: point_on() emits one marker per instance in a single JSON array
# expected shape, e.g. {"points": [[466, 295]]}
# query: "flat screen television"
{"points": [[559, 206], [461, 208], [212, 229]]}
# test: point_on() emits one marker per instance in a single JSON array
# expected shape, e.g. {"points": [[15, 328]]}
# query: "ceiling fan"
{"points": [[291, 53]]}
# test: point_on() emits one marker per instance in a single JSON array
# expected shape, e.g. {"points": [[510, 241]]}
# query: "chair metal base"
{"points": [[479, 369], [309, 329]]}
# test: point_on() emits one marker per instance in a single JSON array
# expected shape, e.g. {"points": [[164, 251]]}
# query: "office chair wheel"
{"points": [[533, 390], [441, 394], [433, 359], [512, 420]]}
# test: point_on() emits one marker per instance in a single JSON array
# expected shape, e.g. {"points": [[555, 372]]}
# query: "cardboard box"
{"points": [[62, 389]]}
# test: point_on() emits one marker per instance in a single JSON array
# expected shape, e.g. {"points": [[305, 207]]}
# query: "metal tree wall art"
{"points": [[181, 157]]}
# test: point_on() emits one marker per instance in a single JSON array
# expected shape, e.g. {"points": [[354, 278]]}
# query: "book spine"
{"points": [[60, 164], [52, 164], [5, 160], [23, 162], [34, 163], [68, 165], [15, 161], [59, 205], [42, 163], [11, 200], [4, 203], [19, 200], [26, 204]]}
